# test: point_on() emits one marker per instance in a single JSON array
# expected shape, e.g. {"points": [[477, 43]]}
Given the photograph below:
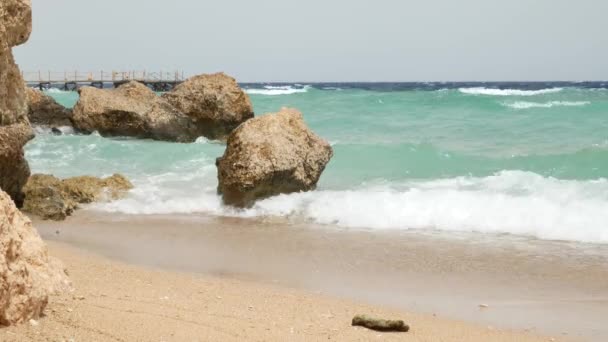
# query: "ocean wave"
{"points": [[513, 202], [507, 92], [550, 104], [278, 90]]}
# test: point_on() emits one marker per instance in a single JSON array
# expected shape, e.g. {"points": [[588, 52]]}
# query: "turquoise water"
{"points": [[529, 162]]}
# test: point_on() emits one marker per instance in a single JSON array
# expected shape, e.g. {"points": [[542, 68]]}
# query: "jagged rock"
{"points": [[131, 110], [45, 111], [15, 28], [215, 103], [269, 155], [380, 324], [27, 274], [52, 198]]}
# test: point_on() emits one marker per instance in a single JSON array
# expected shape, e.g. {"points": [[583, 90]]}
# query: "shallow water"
{"points": [[527, 160]]}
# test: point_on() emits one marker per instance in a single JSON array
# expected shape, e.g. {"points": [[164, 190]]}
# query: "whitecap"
{"points": [[507, 92], [277, 90], [550, 104]]}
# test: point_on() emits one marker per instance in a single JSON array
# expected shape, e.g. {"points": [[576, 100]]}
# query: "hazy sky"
{"points": [[326, 40]]}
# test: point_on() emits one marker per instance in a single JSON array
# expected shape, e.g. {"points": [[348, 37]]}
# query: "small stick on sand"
{"points": [[380, 324]]}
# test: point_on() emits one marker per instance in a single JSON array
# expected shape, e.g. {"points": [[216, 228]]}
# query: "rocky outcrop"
{"points": [[215, 103], [15, 28], [45, 111], [27, 274], [269, 155], [54, 199], [131, 110]]}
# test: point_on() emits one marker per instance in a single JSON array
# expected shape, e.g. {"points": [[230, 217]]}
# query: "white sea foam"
{"points": [[56, 91], [550, 104], [277, 90], [514, 202], [507, 92], [65, 130]]}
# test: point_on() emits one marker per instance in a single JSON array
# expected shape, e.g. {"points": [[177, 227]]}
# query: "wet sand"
{"points": [[548, 288]]}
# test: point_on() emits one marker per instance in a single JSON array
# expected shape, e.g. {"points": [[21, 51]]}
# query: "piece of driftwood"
{"points": [[380, 324]]}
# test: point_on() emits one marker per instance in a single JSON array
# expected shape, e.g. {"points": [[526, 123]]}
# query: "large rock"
{"points": [[45, 111], [131, 110], [15, 28], [27, 274], [52, 198], [216, 103], [269, 155]]}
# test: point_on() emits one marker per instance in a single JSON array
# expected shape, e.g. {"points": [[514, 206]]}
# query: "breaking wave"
{"points": [[513, 202]]}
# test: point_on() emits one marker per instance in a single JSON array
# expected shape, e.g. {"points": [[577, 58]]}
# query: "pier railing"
{"points": [[70, 80]]}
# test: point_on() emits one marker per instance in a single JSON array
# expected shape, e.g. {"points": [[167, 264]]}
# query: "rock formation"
{"points": [[27, 274], [52, 198], [215, 103], [15, 131], [269, 155], [45, 111], [131, 110]]}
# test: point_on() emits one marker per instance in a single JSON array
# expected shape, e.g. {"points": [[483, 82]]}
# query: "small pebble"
{"points": [[483, 306], [33, 322]]}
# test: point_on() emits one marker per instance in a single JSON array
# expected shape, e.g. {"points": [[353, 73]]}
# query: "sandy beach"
{"points": [[114, 301], [176, 278]]}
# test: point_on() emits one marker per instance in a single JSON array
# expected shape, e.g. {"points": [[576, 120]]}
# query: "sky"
{"points": [[325, 40]]}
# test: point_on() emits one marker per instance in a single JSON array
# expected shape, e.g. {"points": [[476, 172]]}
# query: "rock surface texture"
{"points": [[270, 155], [131, 110], [215, 103], [27, 274], [15, 131], [54, 199], [45, 111]]}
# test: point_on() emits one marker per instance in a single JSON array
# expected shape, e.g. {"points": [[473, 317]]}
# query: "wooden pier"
{"points": [[72, 80]]}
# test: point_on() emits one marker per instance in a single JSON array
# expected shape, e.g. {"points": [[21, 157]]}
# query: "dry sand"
{"points": [[114, 301]]}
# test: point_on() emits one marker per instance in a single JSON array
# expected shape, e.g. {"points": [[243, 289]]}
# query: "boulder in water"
{"points": [[45, 197], [131, 110], [270, 155], [28, 274], [52, 198], [215, 103], [45, 111], [88, 189]]}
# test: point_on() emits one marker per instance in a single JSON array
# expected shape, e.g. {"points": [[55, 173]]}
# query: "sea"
{"points": [[519, 158]]}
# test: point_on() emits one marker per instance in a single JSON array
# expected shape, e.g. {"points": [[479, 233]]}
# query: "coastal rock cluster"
{"points": [[205, 105], [54, 199], [265, 156], [271, 154], [15, 130], [28, 275]]}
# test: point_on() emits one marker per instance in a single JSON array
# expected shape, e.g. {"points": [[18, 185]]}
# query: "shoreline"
{"points": [[549, 288], [114, 301]]}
